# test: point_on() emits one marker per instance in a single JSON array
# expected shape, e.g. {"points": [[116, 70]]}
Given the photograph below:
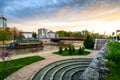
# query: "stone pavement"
{"points": [[28, 71]]}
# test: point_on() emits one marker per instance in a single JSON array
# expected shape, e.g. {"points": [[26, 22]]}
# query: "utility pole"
{"points": [[14, 33], [116, 35]]}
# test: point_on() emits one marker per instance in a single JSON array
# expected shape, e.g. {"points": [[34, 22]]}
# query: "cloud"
{"points": [[32, 8], [32, 13]]}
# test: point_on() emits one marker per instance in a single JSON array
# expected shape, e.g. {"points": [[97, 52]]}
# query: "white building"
{"points": [[44, 33], [3, 22], [27, 34], [50, 34]]}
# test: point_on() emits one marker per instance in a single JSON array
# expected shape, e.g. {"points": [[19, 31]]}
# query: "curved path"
{"points": [[28, 71]]}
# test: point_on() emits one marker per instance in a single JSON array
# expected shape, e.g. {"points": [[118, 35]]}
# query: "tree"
{"points": [[73, 48], [8, 30], [77, 34], [88, 42], [20, 36], [81, 50], [62, 33], [4, 35], [69, 34], [34, 35], [60, 49], [66, 49], [14, 33], [95, 35], [70, 50]]}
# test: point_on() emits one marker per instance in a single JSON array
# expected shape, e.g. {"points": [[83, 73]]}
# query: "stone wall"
{"points": [[97, 69]]}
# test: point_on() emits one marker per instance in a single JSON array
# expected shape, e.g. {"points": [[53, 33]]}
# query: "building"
{"points": [[46, 35], [27, 34], [51, 34], [3, 22], [42, 33]]}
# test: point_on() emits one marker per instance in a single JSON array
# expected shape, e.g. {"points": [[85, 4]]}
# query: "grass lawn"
{"points": [[66, 53], [114, 71], [114, 61], [8, 67]]}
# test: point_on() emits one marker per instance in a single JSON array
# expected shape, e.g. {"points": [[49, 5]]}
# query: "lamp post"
{"points": [[14, 33], [113, 33], [116, 35]]}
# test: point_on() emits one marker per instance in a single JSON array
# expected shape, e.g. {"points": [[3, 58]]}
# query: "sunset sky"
{"points": [[71, 15]]}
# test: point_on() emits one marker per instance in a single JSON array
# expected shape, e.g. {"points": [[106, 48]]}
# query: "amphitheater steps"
{"points": [[76, 75], [66, 75], [61, 70], [59, 74]]}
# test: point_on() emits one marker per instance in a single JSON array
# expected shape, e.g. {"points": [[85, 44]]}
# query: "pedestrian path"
{"points": [[28, 71]]}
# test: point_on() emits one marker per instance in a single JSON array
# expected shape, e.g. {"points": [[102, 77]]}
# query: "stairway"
{"points": [[99, 43], [63, 70]]}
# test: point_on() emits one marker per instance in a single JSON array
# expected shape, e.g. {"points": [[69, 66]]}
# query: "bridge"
{"points": [[66, 39]]}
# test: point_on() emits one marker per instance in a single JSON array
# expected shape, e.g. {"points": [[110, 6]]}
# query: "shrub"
{"points": [[73, 48], [81, 50], [114, 61], [114, 52], [89, 42], [60, 49], [114, 57], [66, 49], [111, 64], [70, 50]]}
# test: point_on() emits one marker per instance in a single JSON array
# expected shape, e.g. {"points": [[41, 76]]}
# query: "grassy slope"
{"points": [[114, 61], [8, 67]]}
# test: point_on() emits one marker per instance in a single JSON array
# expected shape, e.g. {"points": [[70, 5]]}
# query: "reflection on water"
{"points": [[32, 50], [29, 50], [21, 51]]}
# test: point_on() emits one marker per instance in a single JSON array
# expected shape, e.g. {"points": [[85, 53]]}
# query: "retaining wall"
{"points": [[97, 69]]}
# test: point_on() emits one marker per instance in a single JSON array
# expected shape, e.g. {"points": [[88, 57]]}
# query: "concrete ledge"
{"points": [[97, 67]]}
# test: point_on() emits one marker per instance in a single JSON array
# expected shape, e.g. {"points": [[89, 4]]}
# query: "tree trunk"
{"points": [[3, 41]]}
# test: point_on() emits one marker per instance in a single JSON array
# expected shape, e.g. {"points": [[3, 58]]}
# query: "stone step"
{"points": [[76, 75], [63, 67], [58, 75], [68, 65], [66, 74], [100, 43], [41, 73], [49, 72]]}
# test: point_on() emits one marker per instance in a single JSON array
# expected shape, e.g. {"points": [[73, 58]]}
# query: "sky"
{"points": [[98, 16]]}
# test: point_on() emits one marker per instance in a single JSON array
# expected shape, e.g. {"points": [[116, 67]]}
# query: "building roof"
{"points": [[1, 17]]}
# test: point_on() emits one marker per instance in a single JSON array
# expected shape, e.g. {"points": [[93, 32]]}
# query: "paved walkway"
{"points": [[28, 71]]}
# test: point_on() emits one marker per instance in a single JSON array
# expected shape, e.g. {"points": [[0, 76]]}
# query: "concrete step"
{"points": [[66, 75], [47, 72], [100, 43], [59, 74], [76, 75]]}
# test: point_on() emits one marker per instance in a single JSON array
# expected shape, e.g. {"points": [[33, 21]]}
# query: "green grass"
{"points": [[114, 71], [8, 67], [75, 53], [114, 61]]}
